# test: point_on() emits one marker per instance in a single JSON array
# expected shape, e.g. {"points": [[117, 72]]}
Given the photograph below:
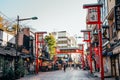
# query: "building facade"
{"points": [[63, 39], [110, 38]]}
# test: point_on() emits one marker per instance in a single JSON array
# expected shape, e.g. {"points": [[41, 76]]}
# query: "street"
{"points": [[70, 74]]}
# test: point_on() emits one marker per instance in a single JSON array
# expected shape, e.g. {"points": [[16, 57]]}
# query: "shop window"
{"points": [[26, 40], [117, 2]]}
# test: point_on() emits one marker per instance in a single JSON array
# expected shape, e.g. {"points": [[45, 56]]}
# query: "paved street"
{"points": [[70, 74]]}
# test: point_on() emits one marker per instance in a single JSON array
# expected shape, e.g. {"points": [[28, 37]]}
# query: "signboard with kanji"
{"points": [[92, 15], [117, 17], [64, 51]]}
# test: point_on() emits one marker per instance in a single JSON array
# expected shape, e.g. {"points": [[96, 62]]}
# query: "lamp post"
{"points": [[94, 16], [39, 41], [87, 38], [81, 47], [17, 32]]}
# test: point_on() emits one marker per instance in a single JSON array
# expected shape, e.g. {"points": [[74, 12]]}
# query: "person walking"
{"points": [[64, 66]]}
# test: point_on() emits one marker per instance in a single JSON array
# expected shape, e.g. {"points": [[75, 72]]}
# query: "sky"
{"points": [[53, 15]]}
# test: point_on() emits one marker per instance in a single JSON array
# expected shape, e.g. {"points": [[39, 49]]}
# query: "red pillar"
{"points": [[37, 66], [100, 44], [90, 52], [38, 43], [83, 56]]}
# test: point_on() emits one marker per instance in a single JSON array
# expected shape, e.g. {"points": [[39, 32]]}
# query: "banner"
{"points": [[117, 17], [92, 17]]}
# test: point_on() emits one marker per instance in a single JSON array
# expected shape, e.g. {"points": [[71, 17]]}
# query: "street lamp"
{"points": [[87, 38], [94, 16], [17, 32]]}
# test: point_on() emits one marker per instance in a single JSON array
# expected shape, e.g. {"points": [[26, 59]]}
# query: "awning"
{"points": [[8, 51], [111, 14], [116, 50], [25, 55]]}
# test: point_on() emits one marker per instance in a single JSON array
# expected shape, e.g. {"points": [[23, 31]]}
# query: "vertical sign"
{"points": [[41, 40], [92, 15], [86, 37], [117, 17]]}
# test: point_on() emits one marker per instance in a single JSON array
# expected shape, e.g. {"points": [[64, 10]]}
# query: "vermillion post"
{"points": [[100, 44], [36, 36], [38, 42], [90, 48], [83, 55], [98, 22]]}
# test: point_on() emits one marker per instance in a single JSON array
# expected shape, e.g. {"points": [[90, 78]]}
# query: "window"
{"points": [[117, 2], [104, 11]]}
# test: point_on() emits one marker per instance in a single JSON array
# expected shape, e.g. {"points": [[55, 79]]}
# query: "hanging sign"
{"points": [[92, 17], [117, 17]]}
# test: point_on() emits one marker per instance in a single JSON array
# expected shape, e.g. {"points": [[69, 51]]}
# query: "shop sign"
{"points": [[117, 17]]}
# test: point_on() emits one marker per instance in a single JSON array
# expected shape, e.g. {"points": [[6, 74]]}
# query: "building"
{"points": [[8, 50], [110, 37], [63, 39]]}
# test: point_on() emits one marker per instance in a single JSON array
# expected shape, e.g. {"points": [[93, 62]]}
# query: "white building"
{"points": [[64, 40]]}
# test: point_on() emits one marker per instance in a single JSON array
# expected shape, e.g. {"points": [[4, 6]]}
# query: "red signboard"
{"points": [[64, 51], [93, 13]]}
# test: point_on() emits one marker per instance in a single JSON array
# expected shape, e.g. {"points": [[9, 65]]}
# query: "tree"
{"points": [[50, 40]]}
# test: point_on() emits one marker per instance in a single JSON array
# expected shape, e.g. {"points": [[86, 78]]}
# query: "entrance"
{"points": [[115, 65]]}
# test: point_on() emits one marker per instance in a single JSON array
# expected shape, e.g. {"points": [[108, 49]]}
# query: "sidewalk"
{"points": [[106, 76]]}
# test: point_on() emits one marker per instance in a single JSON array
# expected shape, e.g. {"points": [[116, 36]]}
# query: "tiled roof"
{"points": [[11, 51]]}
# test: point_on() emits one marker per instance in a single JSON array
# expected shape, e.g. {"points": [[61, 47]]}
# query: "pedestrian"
{"points": [[64, 66]]}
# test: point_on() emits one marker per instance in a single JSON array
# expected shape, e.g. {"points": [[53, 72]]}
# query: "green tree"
{"points": [[51, 41]]}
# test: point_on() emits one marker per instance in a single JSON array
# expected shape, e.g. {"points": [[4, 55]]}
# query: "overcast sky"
{"points": [[53, 15]]}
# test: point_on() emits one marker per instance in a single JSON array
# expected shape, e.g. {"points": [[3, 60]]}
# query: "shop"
{"points": [[115, 60]]}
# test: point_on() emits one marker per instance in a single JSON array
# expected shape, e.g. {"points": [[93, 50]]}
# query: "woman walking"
{"points": [[64, 66]]}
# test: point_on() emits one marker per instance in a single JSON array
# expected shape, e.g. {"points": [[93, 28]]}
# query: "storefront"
{"points": [[115, 59]]}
